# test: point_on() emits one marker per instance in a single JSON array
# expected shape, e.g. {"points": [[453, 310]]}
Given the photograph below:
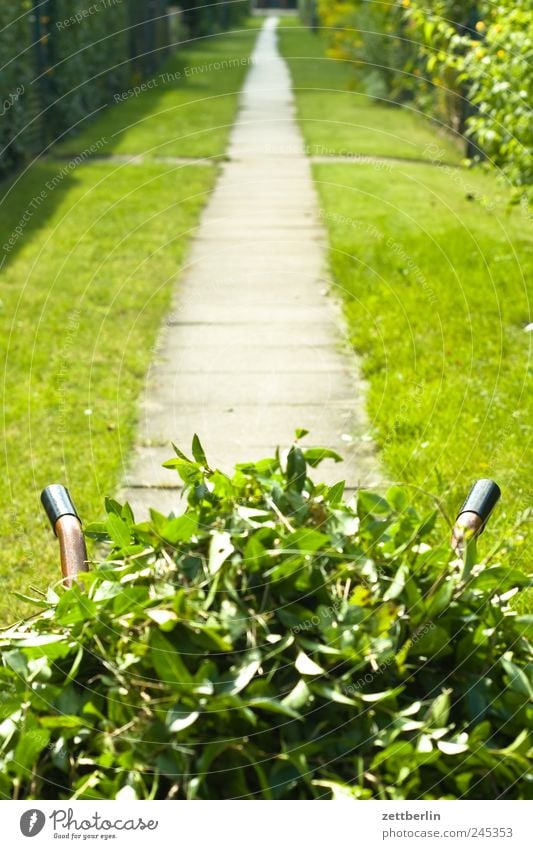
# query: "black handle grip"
{"points": [[481, 500], [57, 502]]}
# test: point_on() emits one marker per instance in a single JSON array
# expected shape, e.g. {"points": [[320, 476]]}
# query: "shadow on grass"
{"points": [[199, 74], [27, 199]]}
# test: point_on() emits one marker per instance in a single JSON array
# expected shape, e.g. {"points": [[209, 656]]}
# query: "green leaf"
{"points": [[298, 696], [255, 553], [333, 695], [29, 747], [240, 676], [179, 453], [384, 696], [167, 662], [398, 498], [439, 710], [96, 530], [36, 602], [220, 548], [75, 607], [501, 579], [398, 583], [335, 493], [166, 619], [343, 792], [470, 558], [448, 747], [525, 625], [16, 660], [179, 718], [427, 524], [306, 540], [273, 706], [322, 648], [306, 666], [370, 504], [62, 721], [434, 641], [112, 506], [52, 646], [188, 472], [361, 596], [431, 63], [440, 600], [118, 530], [127, 514], [517, 678], [314, 456], [429, 28], [398, 752], [198, 452], [179, 530], [296, 468]]}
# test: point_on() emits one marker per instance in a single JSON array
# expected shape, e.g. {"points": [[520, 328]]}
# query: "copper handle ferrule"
{"points": [[72, 549], [66, 525]]}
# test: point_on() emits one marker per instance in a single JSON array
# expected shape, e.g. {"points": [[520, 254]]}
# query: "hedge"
{"points": [[20, 129], [71, 56]]}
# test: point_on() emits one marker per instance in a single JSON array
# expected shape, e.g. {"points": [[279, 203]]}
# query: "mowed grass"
{"points": [[337, 117], [434, 269], [85, 285], [186, 108], [81, 306]]}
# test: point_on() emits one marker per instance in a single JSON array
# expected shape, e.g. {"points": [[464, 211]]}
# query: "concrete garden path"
{"points": [[253, 346]]}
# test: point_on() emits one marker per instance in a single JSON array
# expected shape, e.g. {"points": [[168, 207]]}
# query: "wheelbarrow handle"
{"points": [[66, 525], [475, 512]]}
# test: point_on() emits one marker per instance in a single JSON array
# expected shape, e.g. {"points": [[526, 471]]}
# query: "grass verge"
{"points": [[186, 109], [433, 267], [93, 250], [355, 123]]}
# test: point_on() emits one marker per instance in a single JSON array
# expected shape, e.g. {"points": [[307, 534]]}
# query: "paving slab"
{"points": [[247, 312], [148, 472], [248, 359], [255, 425], [247, 335], [215, 388], [253, 346], [143, 499]]}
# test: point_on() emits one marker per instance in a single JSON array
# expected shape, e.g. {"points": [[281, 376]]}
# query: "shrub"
{"points": [[273, 641], [89, 60], [469, 63], [498, 72], [480, 55], [372, 36]]}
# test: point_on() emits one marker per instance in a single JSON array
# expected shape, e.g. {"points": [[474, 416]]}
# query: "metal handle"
{"points": [[475, 512], [66, 525]]}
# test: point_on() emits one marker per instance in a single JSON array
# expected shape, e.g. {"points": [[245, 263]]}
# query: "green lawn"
{"points": [[185, 109], [433, 268], [85, 285], [336, 117]]}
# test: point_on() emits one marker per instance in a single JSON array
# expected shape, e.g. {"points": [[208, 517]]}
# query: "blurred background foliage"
{"points": [[465, 62], [61, 60]]}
